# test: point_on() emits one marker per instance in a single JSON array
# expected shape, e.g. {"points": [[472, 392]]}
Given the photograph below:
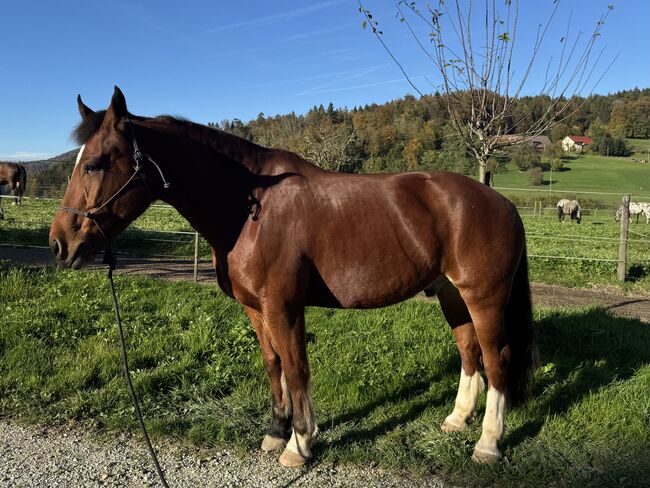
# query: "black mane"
{"points": [[92, 123], [87, 127]]}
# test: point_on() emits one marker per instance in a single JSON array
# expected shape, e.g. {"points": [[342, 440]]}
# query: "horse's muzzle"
{"points": [[72, 258]]}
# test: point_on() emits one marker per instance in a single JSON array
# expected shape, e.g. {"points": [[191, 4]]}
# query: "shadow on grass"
{"points": [[415, 392], [637, 272], [588, 350], [133, 241], [25, 237]]}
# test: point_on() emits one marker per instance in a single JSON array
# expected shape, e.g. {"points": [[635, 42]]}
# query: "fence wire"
{"points": [[531, 236]]}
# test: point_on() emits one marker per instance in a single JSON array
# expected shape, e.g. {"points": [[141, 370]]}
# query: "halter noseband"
{"points": [[139, 157]]}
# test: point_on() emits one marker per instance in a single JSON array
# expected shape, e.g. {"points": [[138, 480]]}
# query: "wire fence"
{"points": [[30, 231], [578, 246]]}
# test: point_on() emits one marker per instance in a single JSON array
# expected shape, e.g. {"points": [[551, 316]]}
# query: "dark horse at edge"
{"points": [[14, 175], [286, 234]]}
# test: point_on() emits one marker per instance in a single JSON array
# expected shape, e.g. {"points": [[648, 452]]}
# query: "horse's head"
{"points": [[578, 216], [105, 193]]}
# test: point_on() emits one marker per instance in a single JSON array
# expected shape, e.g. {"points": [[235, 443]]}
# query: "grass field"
{"points": [[383, 380], [29, 224], [640, 147], [597, 237], [589, 173]]}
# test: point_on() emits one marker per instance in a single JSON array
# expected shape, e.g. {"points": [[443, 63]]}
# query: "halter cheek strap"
{"points": [[139, 157]]}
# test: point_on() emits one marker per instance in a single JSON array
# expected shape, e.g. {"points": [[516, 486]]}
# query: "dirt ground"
{"points": [[615, 300]]}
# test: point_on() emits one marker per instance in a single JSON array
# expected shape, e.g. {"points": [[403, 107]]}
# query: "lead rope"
{"points": [[111, 261]]}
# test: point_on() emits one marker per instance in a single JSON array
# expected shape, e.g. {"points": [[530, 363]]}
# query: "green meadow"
{"points": [[590, 177], [382, 380]]}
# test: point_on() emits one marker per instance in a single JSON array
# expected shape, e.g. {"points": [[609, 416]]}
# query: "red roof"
{"points": [[580, 139]]}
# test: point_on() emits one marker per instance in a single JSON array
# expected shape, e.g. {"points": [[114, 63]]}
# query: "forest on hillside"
{"points": [[409, 134], [415, 134]]}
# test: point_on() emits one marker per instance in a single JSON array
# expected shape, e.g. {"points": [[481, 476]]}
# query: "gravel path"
{"points": [[67, 457], [36, 456]]}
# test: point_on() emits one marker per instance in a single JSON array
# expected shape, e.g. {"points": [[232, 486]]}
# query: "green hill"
{"points": [[588, 177], [49, 177]]}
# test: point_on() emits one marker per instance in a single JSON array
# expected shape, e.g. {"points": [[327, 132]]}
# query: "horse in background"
{"points": [[568, 207], [14, 175], [635, 209]]}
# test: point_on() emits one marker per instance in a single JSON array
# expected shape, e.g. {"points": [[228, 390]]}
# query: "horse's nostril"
{"points": [[55, 247]]}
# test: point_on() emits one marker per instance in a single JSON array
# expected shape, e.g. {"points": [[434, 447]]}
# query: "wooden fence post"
{"points": [[196, 256], [622, 243]]}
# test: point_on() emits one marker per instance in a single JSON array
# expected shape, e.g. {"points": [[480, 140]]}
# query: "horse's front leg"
{"points": [[285, 326], [280, 430]]}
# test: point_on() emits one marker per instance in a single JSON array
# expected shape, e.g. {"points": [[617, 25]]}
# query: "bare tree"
{"points": [[329, 145], [477, 73]]}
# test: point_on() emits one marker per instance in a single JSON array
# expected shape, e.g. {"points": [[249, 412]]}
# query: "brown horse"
{"points": [[15, 176], [286, 235]]}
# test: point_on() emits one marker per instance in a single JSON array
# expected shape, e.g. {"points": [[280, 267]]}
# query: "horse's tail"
{"points": [[22, 179], [520, 334]]}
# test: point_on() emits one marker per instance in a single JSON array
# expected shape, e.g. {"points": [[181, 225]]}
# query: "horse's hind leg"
{"points": [[280, 430], [490, 331], [471, 383], [13, 189]]}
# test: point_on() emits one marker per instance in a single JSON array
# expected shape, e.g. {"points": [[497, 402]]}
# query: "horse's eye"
{"points": [[89, 168]]}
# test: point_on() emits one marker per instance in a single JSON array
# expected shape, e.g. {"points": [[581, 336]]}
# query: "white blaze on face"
{"points": [[81, 150]]}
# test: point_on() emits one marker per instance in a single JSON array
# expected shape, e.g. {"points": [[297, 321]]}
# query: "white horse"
{"points": [[568, 207], [635, 209]]}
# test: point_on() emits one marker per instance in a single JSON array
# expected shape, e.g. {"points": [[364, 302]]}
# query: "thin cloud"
{"points": [[305, 78], [358, 74], [273, 19], [317, 90], [310, 35]]}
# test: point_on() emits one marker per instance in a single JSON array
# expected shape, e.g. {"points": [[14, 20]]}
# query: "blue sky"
{"points": [[210, 60]]}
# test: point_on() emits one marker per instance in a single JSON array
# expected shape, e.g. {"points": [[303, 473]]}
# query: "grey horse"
{"points": [[568, 207]]}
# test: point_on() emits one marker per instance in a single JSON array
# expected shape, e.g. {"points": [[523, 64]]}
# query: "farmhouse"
{"points": [[575, 143]]}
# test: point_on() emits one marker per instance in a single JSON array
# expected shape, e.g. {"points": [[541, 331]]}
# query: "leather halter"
{"points": [[139, 157]]}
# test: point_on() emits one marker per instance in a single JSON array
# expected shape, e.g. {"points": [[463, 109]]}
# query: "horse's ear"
{"points": [[117, 110], [84, 111]]}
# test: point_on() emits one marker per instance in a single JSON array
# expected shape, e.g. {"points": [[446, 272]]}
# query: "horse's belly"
{"points": [[377, 286]]}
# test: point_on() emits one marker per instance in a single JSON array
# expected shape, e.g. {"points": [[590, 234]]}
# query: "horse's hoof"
{"points": [[270, 443], [448, 426], [290, 459], [486, 457]]}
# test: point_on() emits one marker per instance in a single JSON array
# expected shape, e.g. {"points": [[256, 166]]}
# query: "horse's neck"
{"points": [[207, 187]]}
